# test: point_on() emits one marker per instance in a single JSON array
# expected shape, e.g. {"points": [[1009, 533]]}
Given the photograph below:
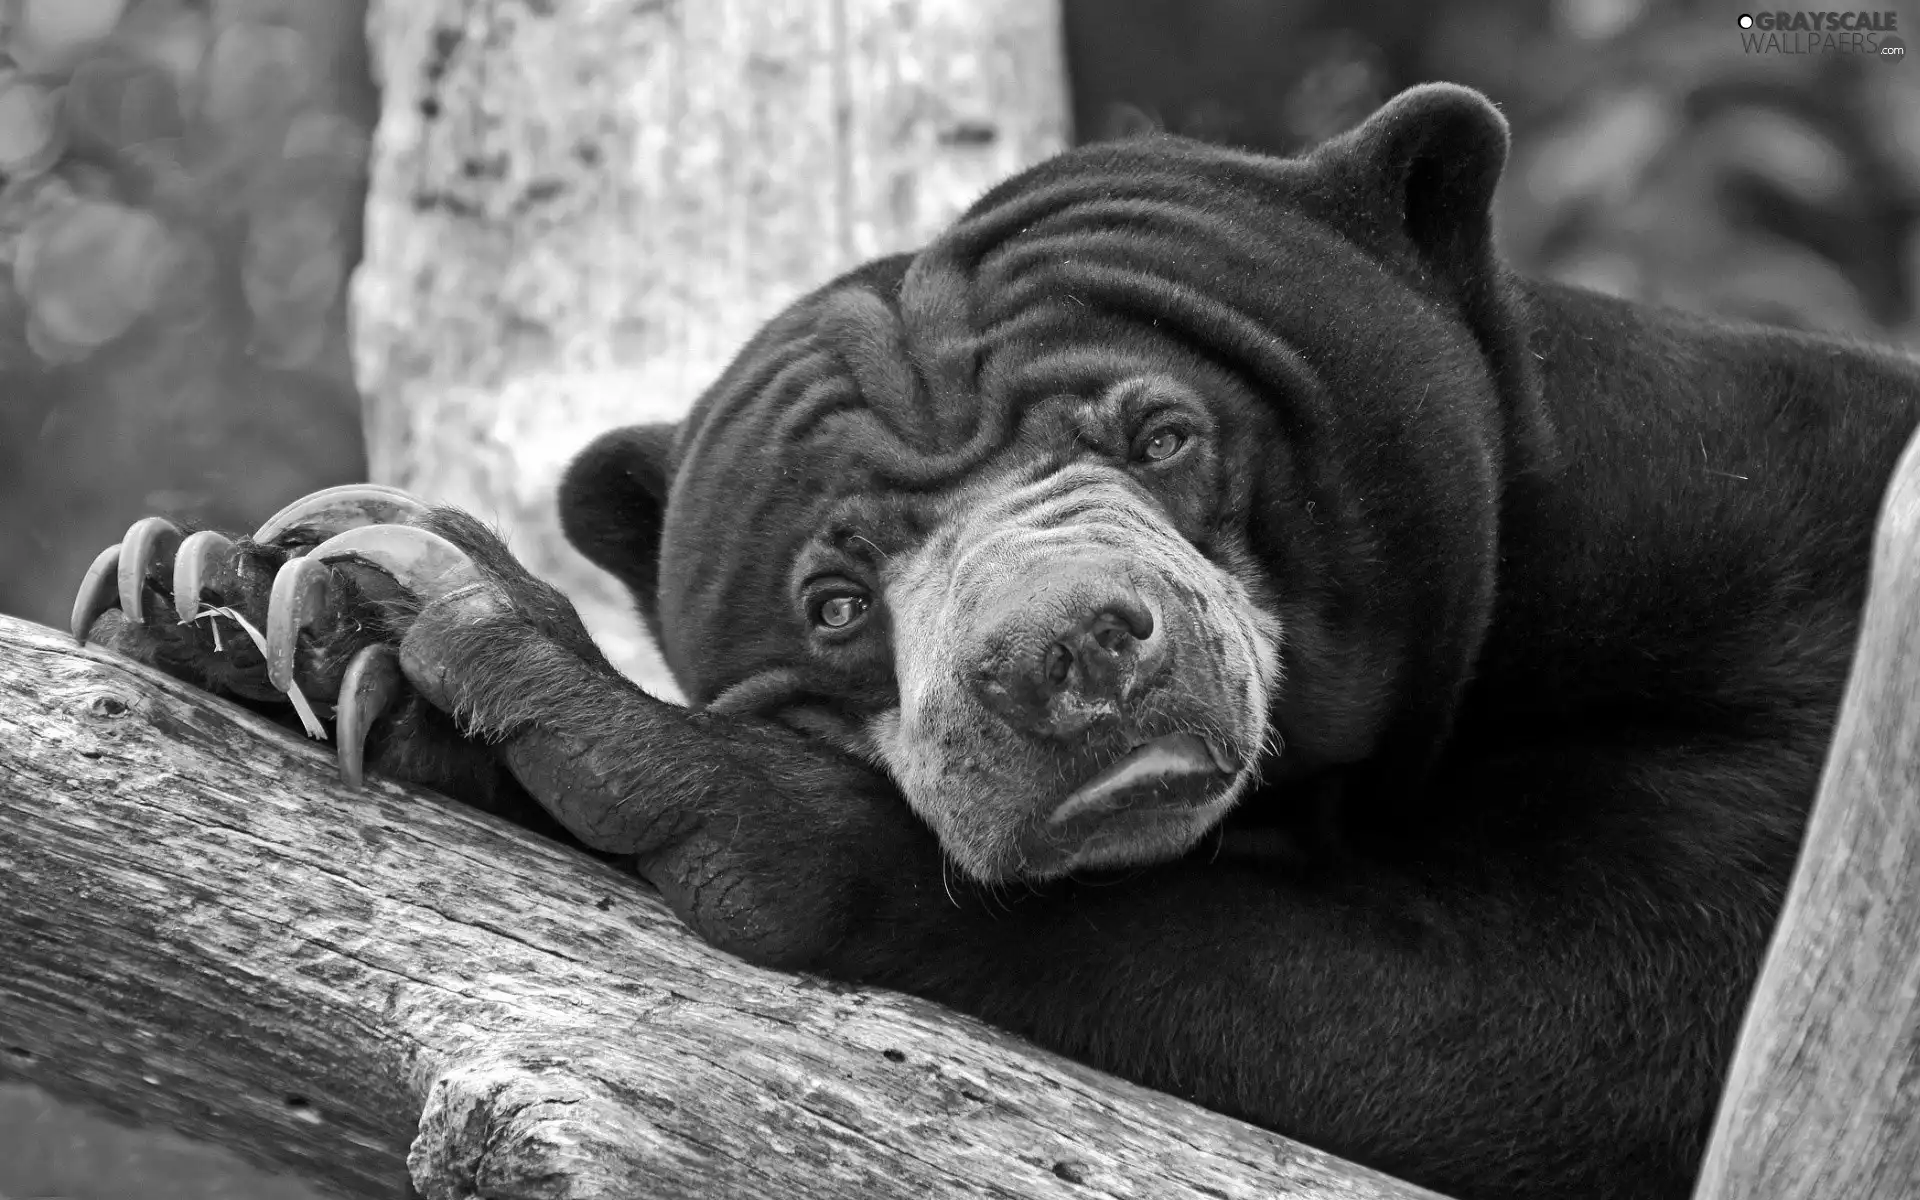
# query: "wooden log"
{"points": [[1823, 1100], [579, 211], [201, 928]]}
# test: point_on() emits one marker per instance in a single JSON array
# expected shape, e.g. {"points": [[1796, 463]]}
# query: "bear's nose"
{"points": [[1058, 681]]}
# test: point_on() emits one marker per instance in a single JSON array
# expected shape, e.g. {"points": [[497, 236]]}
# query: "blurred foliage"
{"points": [[183, 182], [1653, 157]]}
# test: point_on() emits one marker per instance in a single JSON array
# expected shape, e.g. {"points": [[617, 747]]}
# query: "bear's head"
{"points": [[1168, 472]]}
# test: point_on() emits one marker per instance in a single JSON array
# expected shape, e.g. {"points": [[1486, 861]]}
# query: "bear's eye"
{"points": [[840, 610], [1160, 445]]}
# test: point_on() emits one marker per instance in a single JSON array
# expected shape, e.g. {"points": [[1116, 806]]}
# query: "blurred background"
{"points": [[183, 181]]}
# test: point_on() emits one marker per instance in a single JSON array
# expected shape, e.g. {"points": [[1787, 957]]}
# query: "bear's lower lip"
{"points": [[1179, 766]]}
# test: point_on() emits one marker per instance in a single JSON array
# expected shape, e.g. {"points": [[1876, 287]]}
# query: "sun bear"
{"points": [[1202, 612]]}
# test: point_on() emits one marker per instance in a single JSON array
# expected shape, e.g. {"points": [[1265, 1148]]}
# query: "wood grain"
{"points": [[201, 928], [1824, 1097]]}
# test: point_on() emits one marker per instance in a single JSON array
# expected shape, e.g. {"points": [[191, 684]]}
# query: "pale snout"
{"points": [[1065, 645]]}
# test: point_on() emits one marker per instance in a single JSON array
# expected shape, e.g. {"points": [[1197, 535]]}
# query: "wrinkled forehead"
{"points": [[853, 430], [864, 420], [865, 407]]}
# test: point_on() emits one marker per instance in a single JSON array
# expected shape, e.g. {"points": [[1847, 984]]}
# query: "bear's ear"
{"points": [[613, 507], [1424, 168]]}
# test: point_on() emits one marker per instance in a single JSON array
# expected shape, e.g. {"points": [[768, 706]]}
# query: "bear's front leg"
{"points": [[411, 637], [772, 845]]}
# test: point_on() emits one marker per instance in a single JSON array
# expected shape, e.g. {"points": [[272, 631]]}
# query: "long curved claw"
{"points": [[201, 556], [370, 684], [299, 595], [349, 506], [99, 591], [418, 559], [150, 541]]}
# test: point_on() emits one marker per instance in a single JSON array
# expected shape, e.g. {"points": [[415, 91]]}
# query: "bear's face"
{"points": [[1164, 458], [1055, 673]]}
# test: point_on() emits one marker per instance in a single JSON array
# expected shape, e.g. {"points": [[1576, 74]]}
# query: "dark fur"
{"points": [[1569, 587]]}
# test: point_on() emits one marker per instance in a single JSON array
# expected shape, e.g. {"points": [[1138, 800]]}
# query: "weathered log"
{"points": [[1824, 1096], [578, 212], [200, 928]]}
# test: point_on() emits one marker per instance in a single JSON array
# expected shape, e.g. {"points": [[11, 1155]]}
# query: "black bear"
{"points": [[1396, 688]]}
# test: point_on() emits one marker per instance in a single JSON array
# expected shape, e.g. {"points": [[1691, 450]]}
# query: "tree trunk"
{"points": [[579, 211], [1824, 1097], [203, 929]]}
